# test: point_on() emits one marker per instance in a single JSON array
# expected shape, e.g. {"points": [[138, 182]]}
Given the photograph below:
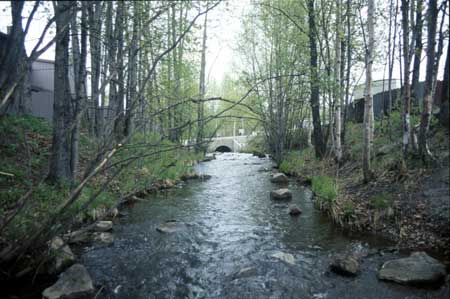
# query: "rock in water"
{"points": [[74, 283], [285, 257], [169, 227], [103, 226], [281, 194], [417, 269], [63, 256], [244, 273], [79, 236], [345, 265], [279, 178], [294, 210], [105, 238], [259, 154]]}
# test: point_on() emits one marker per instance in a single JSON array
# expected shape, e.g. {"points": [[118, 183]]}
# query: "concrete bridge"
{"points": [[228, 144]]}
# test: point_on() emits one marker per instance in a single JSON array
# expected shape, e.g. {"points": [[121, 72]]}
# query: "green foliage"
{"points": [[295, 162], [324, 187], [10, 124], [161, 159], [381, 201], [349, 211], [256, 144]]}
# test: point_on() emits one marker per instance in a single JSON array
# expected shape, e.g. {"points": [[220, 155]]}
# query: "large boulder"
{"points": [[62, 255], [281, 194], [417, 269], [345, 265], [279, 178], [74, 283]]}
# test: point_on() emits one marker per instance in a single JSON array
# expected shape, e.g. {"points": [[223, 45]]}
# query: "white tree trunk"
{"points": [[368, 97]]}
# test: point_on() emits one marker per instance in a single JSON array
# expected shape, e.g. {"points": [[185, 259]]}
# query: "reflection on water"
{"points": [[231, 224]]}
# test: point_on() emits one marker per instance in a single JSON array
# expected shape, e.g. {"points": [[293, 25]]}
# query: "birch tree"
{"points": [[368, 96], [428, 93]]}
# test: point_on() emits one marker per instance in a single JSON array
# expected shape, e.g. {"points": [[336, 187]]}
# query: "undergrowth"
{"points": [[25, 143]]}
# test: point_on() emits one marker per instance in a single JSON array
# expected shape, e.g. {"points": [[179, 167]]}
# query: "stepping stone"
{"points": [[294, 210], [285, 257], [281, 194], [279, 178], [345, 265], [169, 227], [103, 226]]}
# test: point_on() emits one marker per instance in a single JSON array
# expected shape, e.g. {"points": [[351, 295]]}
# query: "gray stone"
{"points": [[74, 283], [417, 269], [62, 255], [79, 236], [208, 158], [285, 257], [281, 194], [103, 226], [169, 227], [279, 178], [294, 210], [245, 272], [105, 238], [345, 265], [259, 154]]}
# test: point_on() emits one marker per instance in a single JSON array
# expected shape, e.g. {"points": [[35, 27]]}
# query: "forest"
{"points": [[106, 104]]}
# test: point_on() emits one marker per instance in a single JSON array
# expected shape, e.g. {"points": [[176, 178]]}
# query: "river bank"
{"points": [[25, 151], [409, 206]]}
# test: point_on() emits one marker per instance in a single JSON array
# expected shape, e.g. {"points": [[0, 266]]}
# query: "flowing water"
{"points": [[228, 224]]}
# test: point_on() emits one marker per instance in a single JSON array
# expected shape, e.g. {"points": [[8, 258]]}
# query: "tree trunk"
{"points": [[417, 52], [13, 63], [406, 84], [444, 111], [95, 28], [338, 92], [348, 69], [319, 144], [120, 95], [60, 170], [132, 74], [428, 93], [79, 69], [368, 97], [202, 88]]}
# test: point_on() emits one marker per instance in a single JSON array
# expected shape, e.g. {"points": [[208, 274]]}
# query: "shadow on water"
{"points": [[227, 224]]}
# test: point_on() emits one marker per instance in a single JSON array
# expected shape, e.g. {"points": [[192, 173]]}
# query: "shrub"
{"points": [[324, 187], [381, 201], [349, 211], [296, 161]]}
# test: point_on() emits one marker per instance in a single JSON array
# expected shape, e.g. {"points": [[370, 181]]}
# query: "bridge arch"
{"points": [[228, 143], [223, 149]]}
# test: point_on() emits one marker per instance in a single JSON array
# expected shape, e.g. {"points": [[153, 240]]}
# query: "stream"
{"points": [[228, 224]]}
